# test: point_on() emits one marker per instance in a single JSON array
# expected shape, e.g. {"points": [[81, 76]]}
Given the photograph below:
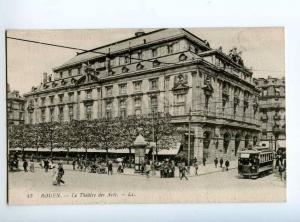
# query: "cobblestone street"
{"points": [[212, 185]]}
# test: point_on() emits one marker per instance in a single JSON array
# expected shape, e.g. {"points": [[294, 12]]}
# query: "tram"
{"points": [[255, 163]]}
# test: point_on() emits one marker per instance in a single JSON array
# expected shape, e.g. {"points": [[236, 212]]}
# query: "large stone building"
{"points": [[167, 70], [272, 109], [15, 107]]}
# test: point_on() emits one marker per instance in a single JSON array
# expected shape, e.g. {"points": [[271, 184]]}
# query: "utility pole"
{"points": [[154, 142], [189, 142]]}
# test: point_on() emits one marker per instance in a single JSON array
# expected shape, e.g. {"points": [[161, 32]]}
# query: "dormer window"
{"points": [[125, 69], [139, 66], [156, 63], [63, 82], [182, 57]]}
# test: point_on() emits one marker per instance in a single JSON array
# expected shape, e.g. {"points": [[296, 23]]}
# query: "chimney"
{"points": [[45, 77]]}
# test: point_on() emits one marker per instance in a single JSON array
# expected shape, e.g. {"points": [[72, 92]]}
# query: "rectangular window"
{"points": [[61, 114], [51, 114], [122, 89], [109, 91], [127, 59], [43, 101], [88, 112], [167, 83], [170, 49], [88, 94], [71, 113], [60, 75], [70, 72], [154, 52], [51, 99], [108, 109], [154, 104], [122, 60], [61, 98], [123, 108], [43, 115], [153, 84], [137, 86], [140, 55], [180, 104], [137, 106], [71, 97]]}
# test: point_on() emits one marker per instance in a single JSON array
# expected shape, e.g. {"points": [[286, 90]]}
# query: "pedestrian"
{"points": [[221, 162], [25, 165], [142, 167], [60, 174], [109, 168], [196, 168], [147, 169], [183, 173], [216, 162], [31, 166], [227, 164], [46, 165], [195, 159], [281, 170], [119, 167], [204, 161], [54, 175], [74, 163]]}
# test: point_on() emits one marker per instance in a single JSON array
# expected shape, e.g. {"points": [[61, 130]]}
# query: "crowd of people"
{"points": [[166, 167]]}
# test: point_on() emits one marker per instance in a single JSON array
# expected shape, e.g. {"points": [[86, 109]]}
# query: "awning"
{"points": [[172, 151]]}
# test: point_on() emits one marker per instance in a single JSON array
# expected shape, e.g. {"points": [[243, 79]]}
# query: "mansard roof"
{"points": [[133, 42]]}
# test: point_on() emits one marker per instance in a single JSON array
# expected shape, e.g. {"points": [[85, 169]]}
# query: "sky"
{"points": [[262, 49]]}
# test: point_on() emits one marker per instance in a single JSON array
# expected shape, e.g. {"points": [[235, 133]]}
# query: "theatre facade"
{"points": [[168, 71]]}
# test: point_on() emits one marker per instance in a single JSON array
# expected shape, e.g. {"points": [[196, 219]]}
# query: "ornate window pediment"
{"points": [[180, 82]]}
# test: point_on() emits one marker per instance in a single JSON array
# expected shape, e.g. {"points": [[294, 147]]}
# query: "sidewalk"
{"points": [[202, 170]]}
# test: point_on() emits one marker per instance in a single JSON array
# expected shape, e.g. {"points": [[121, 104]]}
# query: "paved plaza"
{"points": [[212, 185]]}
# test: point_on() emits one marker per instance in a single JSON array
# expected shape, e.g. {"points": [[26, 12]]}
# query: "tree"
{"points": [[129, 130], [106, 131], [159, 129], [50, 135]]}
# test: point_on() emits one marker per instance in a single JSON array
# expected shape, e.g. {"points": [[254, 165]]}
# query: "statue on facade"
{"points": [[236, 56]]}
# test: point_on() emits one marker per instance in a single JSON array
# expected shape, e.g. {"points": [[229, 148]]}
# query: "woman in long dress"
{"points": [[54, 175]]}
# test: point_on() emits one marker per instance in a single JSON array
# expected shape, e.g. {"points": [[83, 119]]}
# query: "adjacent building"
{"points": [[272, 110], [168, 71], [15, 107]]}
